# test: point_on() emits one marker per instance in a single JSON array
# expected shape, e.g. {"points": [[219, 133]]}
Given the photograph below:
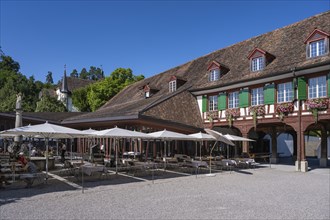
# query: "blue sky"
{"points": [[147, 36]]}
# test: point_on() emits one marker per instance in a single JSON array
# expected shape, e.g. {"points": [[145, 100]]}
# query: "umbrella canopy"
{"points": [[89, 131], [237, 138], [169, 135], [202, 137], [120, 133], [45, 130], [219, 137]]}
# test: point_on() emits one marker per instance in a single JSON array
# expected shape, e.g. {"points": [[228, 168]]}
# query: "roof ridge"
{"points": [[264, 34]]}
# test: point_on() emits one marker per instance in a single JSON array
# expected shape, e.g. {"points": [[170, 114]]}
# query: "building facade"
{"points": [[273, 88], [272, 84]]}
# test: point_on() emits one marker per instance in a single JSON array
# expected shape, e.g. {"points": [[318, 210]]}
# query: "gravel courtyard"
{"points": [[262, 193]]}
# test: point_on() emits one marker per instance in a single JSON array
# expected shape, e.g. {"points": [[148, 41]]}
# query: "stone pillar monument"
{"points": [[18, 122]]}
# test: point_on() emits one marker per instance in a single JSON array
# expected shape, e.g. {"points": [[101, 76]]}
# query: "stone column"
{"points": [[300, 139], [245, 143], [303, 163], [18, 122], [274, 157]]}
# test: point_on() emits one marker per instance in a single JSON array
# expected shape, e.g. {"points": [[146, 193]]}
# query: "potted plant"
{"points": [[283, 109], [212, 115], [232, 113], [256, 110], [316, 105]]}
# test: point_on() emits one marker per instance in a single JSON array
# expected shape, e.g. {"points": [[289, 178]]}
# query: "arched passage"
{"points": [[317, 144], [277, 139]]}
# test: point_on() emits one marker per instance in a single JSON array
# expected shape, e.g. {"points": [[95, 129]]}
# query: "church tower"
{"points": [[63, 92]]}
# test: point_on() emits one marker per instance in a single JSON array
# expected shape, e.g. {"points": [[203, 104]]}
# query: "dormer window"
{"points": [[216, 70], [317, 48], [214, 75], [147, 94], [172, 85], [317, 44], [259, 59], [257, 64], [149, 91], [175, 82]]}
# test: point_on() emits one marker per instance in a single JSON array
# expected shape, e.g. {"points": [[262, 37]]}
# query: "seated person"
{"points": [[31, 169], [34, 152], [21, 159]]}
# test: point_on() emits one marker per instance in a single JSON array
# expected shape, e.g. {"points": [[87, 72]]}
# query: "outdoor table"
{"points": [[90, 168], [197, 163]]}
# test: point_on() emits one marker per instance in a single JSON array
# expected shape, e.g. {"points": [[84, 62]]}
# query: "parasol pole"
{"points": [[116, 149], [211, 154], [200, 150], [71, 149], [47, 139]]}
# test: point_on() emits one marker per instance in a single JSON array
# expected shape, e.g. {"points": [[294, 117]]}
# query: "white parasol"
{"points": [[46, 131]]}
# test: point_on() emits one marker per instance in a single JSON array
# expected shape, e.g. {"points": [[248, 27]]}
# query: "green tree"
{"points": [[99, 73], [9, 64], [100, 92], [79, 99], [13, 82], [83, 74], [92, 73], [8, 98], [74, 73], [49, 78], [50, 104]]}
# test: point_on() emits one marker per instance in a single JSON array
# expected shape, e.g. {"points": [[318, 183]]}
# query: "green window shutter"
{"points": [[243, 98], [204, 104], [302, 91], [328, 79], [269, 94], [222, 101], [294, 89]]}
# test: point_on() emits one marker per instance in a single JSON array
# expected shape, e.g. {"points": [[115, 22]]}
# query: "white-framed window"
{"points": [[317, 87], [284, 92], [147, 94], [257, 96], [213, 103], [233, 100], [317, 48], [172, 86], [257, 64], [214, 75]]}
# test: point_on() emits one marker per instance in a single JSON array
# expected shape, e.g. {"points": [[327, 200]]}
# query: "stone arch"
{"points": [[276, 138]]}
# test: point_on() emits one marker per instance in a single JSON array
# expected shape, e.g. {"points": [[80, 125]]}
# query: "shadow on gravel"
{"points": [[17, 191], [243, 172]]}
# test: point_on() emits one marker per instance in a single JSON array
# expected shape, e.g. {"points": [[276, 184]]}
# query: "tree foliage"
{"points": [[83, 74], [79, 99], [12, 82], [74, 73], [9, 64], [50, 104], [99, 93], [85, 99], [49, 78]]}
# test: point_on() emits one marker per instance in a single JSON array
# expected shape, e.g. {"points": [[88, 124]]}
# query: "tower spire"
{"points": [[64, 88]]}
